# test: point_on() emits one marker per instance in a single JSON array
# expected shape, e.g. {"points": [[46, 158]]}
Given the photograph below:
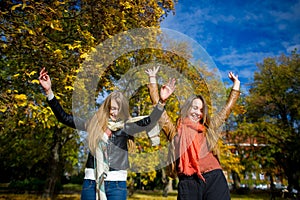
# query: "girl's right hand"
{"points": [[45, 81], [152, 72]]}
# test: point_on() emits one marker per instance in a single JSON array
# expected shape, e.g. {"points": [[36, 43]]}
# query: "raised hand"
{"points": [[45, 81], [152, 72], [167, 90], [235, 80]]}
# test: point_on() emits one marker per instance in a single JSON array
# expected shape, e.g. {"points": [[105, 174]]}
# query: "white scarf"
{"points": [[102, 168]]}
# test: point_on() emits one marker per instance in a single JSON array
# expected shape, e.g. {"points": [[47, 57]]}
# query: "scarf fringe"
{"points": [[192, 147]]}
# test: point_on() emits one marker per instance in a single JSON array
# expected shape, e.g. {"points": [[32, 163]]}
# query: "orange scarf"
{"points": [[192, 147]]}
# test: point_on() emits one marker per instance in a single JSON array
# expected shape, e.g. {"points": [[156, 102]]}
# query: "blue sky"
{"points": [[239, 34]]}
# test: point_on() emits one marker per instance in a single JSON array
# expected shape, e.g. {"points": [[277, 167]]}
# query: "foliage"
{"points": [[57, 35], [32, 184], [60, 35], [271, 123]]}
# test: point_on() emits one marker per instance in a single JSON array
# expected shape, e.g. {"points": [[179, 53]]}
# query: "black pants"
{"points": [[215, 187]]}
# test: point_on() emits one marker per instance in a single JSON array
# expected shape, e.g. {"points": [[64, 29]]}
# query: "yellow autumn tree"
{"points": [[57, 35]]}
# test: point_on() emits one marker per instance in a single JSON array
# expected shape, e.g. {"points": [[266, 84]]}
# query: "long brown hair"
{"points": [[99, 122], [186, 107], [210, 133]]}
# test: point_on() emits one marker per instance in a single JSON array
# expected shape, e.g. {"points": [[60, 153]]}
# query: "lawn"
{"points": [[139, 195], [149, 195]]}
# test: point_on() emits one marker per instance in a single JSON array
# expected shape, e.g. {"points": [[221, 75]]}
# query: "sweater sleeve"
{"points": [[165, 122], [63, 117], [220, 118], [145, 124]]}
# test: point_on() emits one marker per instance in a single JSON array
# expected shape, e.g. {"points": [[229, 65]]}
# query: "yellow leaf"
{"points": [[57, 51], [33, 107], [51, 10], [32, 73], [84, 55], [3, 109], [48, 46], [127, 5], [16, 75], [21, 99], [20, 122], [15, 6], [35, 81], [58, 29], [24, 6], [69, 88], [31, 32]]}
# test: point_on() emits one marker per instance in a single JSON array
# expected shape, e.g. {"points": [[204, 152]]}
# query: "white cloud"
{"points": [[289, 49], [246, 59], [252, 30]]}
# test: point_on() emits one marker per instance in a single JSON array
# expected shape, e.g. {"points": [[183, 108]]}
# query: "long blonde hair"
{"points": [[210, 133], [99, 122]]}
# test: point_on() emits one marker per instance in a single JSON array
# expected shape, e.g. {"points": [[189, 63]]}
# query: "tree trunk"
{"points": [[292, 175], [54, 169], [167, 183], [236, 180], [272, 187]]}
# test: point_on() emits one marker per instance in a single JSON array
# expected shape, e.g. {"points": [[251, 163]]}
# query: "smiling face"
{"points": [[114, 110], [195, 112]]}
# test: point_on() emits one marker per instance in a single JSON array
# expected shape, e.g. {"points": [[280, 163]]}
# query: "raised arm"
{"points": [[233, 96], [149, 122], [153, 89], [45, 81], [55, 106], [235, 80], [165, 122]]}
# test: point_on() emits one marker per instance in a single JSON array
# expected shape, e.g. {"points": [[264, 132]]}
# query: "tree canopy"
{"points": [[61, 36], [56, 35], [271, 121]]}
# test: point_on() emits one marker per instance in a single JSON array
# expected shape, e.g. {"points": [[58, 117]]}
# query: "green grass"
{"points": [[138, 195], [157, 195]]}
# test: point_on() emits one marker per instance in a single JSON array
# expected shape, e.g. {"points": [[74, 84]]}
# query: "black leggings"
{"points": [[215, 187]]}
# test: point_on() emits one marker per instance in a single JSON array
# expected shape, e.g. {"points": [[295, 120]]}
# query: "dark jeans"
{"points": [[88, 191], [215, 187], [114, 190]]}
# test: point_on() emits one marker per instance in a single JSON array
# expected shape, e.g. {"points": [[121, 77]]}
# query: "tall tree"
{"points": [[272, 118], [230, 159], [56, 35]]}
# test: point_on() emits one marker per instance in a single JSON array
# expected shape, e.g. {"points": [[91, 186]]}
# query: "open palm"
{"points": [[167, 90]]}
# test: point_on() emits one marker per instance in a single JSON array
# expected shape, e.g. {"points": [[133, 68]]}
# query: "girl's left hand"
{"points": [[167, 90], [233, 77]]}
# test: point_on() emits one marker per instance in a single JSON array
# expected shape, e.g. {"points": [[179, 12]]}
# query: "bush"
{"points": [[32, 184]]}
